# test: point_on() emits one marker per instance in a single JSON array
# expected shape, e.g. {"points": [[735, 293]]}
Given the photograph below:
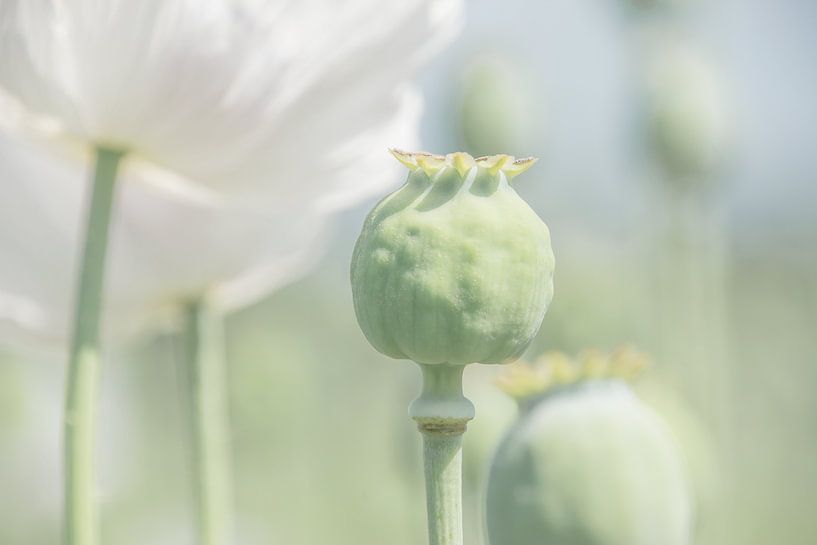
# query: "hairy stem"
{"points": [[209, 424], [80, 524]]}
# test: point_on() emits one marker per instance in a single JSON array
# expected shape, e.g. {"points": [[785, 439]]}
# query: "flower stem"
{"points": [[83, 364], [209, 423], [442, 414]]}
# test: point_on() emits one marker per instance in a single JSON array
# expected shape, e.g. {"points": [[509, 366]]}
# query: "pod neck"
{"points": [[442, 408]]}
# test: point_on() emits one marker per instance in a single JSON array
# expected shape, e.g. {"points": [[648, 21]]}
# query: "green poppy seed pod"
{"points": [[453, 267], [647, 6], [687, 123], [587, 463], [499, 105]]}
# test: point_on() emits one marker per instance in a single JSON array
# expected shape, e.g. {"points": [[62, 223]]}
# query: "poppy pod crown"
{"points": [[528, 381]]}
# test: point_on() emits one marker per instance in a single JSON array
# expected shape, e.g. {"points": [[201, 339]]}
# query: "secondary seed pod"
{"points": [[687, 123], [453, 267], [587, 463], [645, 7], [499, 105]]}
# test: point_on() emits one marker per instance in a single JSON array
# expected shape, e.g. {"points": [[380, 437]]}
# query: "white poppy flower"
{"points": [[246, 97], [165, 248], [245, 125]]}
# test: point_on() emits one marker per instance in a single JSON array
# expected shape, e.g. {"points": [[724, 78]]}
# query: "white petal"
{"points": [[19, 311], [246, 124], [223, 93], [163, 250]]}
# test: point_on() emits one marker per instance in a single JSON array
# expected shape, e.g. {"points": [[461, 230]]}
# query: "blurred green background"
{"points": [[716, 280]]}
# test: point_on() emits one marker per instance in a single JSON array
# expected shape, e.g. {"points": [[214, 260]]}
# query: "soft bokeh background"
{"points": [[718, 282]]}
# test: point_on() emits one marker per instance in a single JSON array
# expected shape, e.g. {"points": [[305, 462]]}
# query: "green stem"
{"points": [[209, 423], [83, 364], [442, 414]]}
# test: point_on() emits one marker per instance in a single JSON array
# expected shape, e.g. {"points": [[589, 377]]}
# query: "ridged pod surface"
{"points": [[453, 267], [587, 463]]}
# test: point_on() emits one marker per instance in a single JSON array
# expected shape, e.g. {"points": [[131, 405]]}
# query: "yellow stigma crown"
{"points": [[522, 380]]}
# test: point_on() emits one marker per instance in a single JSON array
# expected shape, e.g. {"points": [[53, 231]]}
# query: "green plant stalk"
{"points": [[209, 424], [694, 257], [80, 524], [443, 472], [442, 414]]}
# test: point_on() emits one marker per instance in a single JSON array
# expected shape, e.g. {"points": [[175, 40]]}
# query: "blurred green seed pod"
{"points": [[647, 6], [686, 117], [586, 463], [453, 267], [499, 107]]}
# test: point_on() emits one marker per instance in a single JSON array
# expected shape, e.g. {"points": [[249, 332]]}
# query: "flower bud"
{"points": [[453, 267], [587, 463]]}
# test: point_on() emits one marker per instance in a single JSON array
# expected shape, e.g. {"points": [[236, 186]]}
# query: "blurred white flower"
{"points": [[163, 249], [245, 97], [246, 124]]}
